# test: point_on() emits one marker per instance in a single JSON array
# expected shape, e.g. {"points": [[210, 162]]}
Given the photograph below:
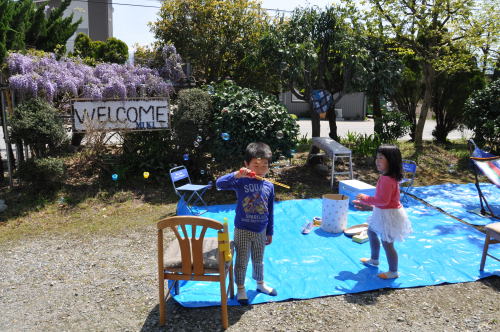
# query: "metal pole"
{"points": [[19, 146], [6, 137]]}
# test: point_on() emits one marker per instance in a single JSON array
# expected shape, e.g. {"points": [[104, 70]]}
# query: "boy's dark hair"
{"points": [[258, 150], [393, 156]]}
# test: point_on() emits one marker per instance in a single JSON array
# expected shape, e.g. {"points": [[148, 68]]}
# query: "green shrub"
{"points": [[482, 115], [148, 151], [37, 123], [304, 144], [42, 173], [394, 126], [246, 116], [362, 144], [115, 51], [191, 123], [83, 46], [192, 117], [112, 50]]}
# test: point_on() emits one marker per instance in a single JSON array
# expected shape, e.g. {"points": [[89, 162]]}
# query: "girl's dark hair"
{"points": [[258, 150], [393, 156]]}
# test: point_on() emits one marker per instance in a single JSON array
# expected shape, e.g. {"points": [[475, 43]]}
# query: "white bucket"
{"points": [[335, 208]]}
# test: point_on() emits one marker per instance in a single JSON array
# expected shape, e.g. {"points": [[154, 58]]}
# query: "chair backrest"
{"points": [[177, 174], [190, 232], [484, 163], [409, 171], [409, 166]]}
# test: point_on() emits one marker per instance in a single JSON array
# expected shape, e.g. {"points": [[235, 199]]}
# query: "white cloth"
{"points": [[390, 224]]}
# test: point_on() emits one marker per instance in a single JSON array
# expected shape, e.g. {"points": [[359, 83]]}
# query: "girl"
{"points": [[389, 220]]}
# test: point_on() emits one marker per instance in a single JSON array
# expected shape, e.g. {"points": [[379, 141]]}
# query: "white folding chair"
{"points": [[184, 188], [409, 172]]}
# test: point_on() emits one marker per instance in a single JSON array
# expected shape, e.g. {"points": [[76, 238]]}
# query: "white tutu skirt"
{"points": [[390, 224]]}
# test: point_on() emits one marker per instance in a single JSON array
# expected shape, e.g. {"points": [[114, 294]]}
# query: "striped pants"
{"points": [[249, 243]]}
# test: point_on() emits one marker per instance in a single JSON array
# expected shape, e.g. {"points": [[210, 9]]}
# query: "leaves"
{"points": [[482, 114], [214, 36], [249, 116]]}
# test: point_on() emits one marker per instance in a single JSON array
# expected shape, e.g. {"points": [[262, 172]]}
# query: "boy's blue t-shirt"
{"points": [[255, 202]]}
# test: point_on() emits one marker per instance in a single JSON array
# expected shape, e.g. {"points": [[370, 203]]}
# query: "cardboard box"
{"points": [[351, 188]]}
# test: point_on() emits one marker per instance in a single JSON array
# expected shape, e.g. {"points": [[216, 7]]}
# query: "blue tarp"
{"points": [[460, 199], [441, 250]]}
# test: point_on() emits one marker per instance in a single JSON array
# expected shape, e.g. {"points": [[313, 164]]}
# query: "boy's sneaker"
{"points": [[241, 296], [369, 261], [388, 275], [263, 288]]}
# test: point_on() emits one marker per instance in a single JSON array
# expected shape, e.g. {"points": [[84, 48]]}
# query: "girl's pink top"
{"points": [[386, 194]]}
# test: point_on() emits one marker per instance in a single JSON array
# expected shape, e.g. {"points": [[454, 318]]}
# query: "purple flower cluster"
{"points": [[46, 77], [172, 66]]}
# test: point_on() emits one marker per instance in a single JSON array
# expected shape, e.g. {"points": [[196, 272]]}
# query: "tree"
{"points": [[37, 123], [409, 90], [484, 29], [482, 115], [428, 28], [53, 29], [213, 35], [12, 20], [24, 24], [17, 27], [382, 68], [450, 93], [112, 50], [316, 49], [115, 51]]}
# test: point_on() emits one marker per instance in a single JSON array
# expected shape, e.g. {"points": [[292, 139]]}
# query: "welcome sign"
{"points": [[110, 115]]}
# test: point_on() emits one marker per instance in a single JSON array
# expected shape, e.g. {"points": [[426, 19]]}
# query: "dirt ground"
{"points": [[108, 283]]}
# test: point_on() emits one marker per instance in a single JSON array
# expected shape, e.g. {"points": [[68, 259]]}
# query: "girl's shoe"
{"points": [[369, 261], [307, 228], [388, 275]]}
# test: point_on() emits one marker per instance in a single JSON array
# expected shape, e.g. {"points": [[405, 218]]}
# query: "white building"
{"points": [[97, 18]]}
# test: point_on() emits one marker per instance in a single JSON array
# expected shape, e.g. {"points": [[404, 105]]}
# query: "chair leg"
{"points": [[485, 251], [231, 281], [161, 288], [223, 301]]}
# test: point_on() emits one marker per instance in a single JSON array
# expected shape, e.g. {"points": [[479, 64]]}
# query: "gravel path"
{"points": [[108, 283]]}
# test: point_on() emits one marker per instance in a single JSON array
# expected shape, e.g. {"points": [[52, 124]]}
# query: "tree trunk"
{"points": [[315, 124], [76, 139], [2, 170], [10, 151], [20, 152], [429, 74], [316, 132], [332, 121], [377, 115], [440, 133]]}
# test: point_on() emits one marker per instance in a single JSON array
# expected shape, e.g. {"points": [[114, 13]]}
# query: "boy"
{"points": [[254, 216]]}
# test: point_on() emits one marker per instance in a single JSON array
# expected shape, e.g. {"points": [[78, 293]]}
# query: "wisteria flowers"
{"points": [[46, 77]]}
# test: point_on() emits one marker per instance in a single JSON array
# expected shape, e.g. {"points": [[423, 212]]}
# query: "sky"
{"points": [[130, 23]]}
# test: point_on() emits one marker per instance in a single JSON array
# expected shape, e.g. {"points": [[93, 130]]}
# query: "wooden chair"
{"points": [[492, 236], [195, 257]]}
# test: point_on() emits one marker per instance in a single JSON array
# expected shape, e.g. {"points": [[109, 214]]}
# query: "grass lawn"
{"points": [[89, 208]]}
